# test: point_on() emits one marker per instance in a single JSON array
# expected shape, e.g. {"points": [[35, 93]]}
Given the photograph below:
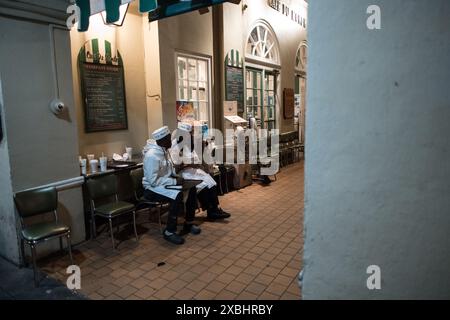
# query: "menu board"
{"points": [[288, 99], [103, 90], [234, 88]]}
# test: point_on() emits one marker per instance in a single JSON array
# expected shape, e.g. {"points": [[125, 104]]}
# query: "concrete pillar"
{"points": [[377, 145]]}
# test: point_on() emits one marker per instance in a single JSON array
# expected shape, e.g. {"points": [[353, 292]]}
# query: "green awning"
{"points": [[157, 9]]}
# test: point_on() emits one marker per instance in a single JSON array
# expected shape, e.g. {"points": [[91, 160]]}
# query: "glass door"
{"points": [[261, 97], [254, 94], [269, 100]]}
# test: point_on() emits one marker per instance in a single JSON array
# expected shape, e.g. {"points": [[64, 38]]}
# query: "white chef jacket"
{"points": [[158, 171], [177, 153]]}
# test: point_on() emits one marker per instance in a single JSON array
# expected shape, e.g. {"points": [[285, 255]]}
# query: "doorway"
{"points": [[261, 97]]}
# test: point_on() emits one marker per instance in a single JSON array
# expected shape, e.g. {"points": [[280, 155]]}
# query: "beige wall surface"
{"points": [[128, 39], [238, 25], [188, 33], [42, 147], [152, 75]]}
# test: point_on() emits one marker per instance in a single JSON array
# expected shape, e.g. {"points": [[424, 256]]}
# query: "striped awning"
{"points": [[158, 8]]}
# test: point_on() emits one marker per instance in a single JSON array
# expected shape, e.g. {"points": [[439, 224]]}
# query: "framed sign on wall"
{"points": [[289, 103], [102, 87], [234, 79]]}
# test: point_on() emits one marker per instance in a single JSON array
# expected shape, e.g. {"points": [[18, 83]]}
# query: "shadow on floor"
{"points": [[18, 284]]}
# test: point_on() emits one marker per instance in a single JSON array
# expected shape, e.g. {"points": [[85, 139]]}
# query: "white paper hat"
{"points": [[161, 133], [185, 126]]}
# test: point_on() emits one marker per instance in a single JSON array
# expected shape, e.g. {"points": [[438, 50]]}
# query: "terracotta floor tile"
{"points": [[107, 290], [176, 284], [205, 295], [257, 253], [245, 295], [216, 286], [197, 285], [185, 294], [158, 283], [145, 293], [271, 271], [268, 296], [234, 270], [276, 289], [225, 278], [264, 279], [140, 283], [256, 288], [283, 280], [236, 287], [125, 292], [226, 295], [164, 294], [245, 278]]}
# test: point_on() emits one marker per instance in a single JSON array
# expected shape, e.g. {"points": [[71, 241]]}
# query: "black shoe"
{"points": [[191, 228], [174, 238], [266, 180], [218, 215], [226, 215]]}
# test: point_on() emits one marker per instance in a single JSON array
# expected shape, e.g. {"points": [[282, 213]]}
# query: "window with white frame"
{"points": [[301, 57], [262, 44], [262, 53], [193, 83]]}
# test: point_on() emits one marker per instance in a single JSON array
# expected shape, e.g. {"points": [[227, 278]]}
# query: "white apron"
{"points": [[158, 171], [188, 156]]}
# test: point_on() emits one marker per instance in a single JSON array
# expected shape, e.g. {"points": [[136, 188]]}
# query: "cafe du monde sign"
{"points": [[296, 16]]}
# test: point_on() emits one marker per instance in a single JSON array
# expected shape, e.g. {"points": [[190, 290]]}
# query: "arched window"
{"points": [[301, 57], [262, 44]]}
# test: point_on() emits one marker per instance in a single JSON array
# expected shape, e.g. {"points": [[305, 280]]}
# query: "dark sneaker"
{"points": [[226, 215], [192, 229], [174, 238], [266, 180], [216, 215]]}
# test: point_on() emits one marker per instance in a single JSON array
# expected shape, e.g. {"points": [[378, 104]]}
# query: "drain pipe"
{"points": [[56, 105]]}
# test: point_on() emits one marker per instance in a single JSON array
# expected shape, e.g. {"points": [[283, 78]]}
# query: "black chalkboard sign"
{"points": [[103, 89], [234, 88]]}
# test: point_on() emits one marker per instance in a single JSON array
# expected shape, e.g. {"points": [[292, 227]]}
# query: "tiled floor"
{"points": [[257, 254]]}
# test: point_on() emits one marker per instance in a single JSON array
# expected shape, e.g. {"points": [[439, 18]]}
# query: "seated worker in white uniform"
{"points": [[187, 162], [159, 183]]}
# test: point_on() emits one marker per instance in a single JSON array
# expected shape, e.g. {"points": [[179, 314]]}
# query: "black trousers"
{"points": [[175, 207], [209, 199]]}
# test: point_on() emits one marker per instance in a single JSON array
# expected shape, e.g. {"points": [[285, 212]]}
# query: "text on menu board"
{"points": [[104, 97], [235, 86]]}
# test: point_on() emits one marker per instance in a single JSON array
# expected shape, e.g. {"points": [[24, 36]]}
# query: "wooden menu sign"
{"points": [[288, 103], [103, 92]]}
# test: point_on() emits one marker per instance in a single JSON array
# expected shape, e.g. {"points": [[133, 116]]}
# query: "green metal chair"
{"points": [[106, 187], [141, 202], [38, 202]]}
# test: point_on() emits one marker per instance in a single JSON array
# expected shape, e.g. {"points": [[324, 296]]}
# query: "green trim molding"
{"points": [[157, 9]]}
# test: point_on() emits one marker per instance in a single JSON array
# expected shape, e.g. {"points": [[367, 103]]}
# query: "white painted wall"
{"points": [[377, 167]]}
